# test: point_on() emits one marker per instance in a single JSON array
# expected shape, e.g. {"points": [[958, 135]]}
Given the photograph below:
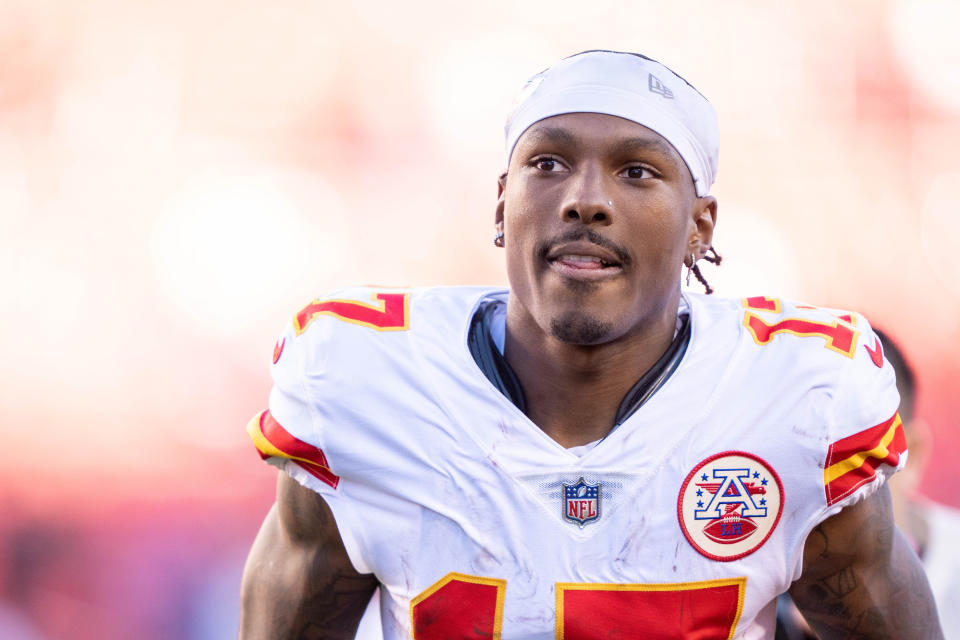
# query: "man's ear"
{"points": [[704, 220], [501, 188]]}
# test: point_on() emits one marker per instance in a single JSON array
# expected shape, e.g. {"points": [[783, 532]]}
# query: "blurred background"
{"points": [[177, 178]]}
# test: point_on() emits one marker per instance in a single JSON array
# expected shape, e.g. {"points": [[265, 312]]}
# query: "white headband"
{"points": [[630, 86]]}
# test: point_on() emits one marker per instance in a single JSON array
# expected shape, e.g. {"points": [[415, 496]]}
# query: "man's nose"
{"points": [[589, 198]]}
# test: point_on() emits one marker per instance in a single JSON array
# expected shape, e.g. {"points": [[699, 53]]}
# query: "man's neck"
{"points": [[573, 392]]}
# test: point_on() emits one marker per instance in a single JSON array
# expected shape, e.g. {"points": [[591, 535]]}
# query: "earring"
{"points": [[693, 261], [498, 239]]}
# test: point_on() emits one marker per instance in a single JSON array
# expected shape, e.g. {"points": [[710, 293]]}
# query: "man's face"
{"points": [[598, 215]]}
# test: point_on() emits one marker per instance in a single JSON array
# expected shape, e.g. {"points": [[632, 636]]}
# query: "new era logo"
{"points": [[654, 84]]}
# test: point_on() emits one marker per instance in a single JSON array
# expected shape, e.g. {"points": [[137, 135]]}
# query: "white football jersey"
{"points": [[686, 521]]}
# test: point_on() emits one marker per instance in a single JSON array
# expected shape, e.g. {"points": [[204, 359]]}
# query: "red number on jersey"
{"points": [[390, 313], [463, 606], [709, 609], [459, 606], [762, 303], [840, 334]]}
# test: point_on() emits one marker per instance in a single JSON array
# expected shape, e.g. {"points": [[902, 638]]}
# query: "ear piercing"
{"points": [[498, 239], [693, 261]]}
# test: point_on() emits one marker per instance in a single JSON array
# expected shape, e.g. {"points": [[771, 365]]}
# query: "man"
{"points": [[589, 454]]}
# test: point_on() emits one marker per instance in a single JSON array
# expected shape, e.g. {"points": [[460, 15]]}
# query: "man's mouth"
{"points": [[584, 261], [584, 255], [576, 261]]}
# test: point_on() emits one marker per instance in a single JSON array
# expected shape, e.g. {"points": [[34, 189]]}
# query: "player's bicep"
{"points": [[861, 579], [298, 581]]}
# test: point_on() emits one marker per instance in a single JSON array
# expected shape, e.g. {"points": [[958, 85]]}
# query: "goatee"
{"points": [[577, 327]]}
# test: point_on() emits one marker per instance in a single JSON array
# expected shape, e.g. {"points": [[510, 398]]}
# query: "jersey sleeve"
{"points": [[286, 434], [866, 439], [292, 433]]}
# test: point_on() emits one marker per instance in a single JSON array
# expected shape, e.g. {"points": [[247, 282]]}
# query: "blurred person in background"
{"points": [[592, 452]]}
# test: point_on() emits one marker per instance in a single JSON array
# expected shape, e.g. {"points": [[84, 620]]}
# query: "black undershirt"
{"points": [[500, 374]]}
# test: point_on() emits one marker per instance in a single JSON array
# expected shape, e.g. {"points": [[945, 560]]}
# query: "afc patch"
{"points": [[581, 502], [729, 505]]}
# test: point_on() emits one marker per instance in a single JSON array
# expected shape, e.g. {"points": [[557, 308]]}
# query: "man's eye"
{"points": [[637, 172], [547, 164]]}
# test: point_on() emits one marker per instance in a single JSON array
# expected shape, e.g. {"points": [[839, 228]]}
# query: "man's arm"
{"points": [[861, 579], [298, 581]]}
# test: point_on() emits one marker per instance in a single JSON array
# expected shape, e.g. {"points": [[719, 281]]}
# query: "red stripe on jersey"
{"points": [[853, 461], [307, 456], [862, 441]]}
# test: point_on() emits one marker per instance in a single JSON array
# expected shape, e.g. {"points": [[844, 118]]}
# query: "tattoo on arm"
{"points": [[329, 609], [862, 581], [299, 581]]}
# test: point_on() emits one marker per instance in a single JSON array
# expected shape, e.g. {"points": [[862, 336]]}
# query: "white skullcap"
{"points": [[630, 86]]}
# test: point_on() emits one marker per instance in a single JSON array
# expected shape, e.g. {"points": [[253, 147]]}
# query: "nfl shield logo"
{"points": [[581, 502]]}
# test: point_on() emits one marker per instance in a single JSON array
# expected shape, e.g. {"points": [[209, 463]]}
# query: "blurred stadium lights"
{"points": [[232, 247], [924, 34]]}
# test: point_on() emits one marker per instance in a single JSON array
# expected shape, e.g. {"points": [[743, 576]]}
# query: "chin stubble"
{"points": [[577, 327]]}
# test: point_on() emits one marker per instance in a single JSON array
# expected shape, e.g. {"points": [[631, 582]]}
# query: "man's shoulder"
{"points": [[783, 326], [832, 352], [350, 361], [358, 329], [371, 310]]}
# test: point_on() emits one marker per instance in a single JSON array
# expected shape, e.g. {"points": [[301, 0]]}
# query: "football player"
{"points": [[591, 453]]}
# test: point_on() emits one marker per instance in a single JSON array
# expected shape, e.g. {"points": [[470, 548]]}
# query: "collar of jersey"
{"points": [[498, 371]]}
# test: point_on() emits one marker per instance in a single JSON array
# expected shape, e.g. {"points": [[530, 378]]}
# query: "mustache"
{"points": [[583, 233]]}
